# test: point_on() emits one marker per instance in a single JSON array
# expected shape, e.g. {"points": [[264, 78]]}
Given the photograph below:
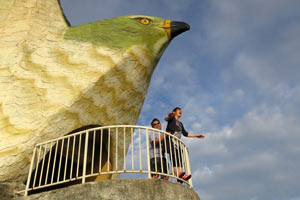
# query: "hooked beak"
{"points": [[174, 28]]}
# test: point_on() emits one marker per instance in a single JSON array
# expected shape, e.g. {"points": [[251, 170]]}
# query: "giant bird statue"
{"points": [[55, 78]]}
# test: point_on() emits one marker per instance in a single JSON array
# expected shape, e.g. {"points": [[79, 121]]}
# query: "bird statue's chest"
{"points": [[102, 80]]}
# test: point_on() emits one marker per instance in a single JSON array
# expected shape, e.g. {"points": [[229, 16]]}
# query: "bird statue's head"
{"points": [[152, 33]]}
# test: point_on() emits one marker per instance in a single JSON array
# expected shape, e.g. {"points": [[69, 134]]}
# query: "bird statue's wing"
{"points": [[26, 26], [23, 20]]}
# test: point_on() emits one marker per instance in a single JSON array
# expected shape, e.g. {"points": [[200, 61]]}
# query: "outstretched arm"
{"points": [[192, 135]]}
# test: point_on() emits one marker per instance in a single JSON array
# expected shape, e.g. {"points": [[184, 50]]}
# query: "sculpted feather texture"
{"points": [[55, 78]]}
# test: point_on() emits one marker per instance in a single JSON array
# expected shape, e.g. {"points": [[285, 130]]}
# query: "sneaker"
{"points": [[181, 174], [187, 177]]}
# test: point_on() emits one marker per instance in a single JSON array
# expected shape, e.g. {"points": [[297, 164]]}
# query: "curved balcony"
{"points": [[104, 153]]}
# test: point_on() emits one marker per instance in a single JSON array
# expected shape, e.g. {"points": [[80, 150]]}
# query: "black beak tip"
{"points": [[187, 26], [178, 28]]}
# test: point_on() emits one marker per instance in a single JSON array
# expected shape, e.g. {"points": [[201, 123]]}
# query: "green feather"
{"points": [[121, 32]]}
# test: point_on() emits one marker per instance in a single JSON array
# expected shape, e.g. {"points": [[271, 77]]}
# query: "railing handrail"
{"points": [[107, 127], [80, 138]]}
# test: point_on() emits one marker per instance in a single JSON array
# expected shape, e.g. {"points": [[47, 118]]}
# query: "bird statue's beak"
{"points": [[174, 28]]}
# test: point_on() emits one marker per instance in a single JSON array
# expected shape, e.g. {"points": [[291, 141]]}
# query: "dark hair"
{"points": [[175, 109], [153, 120]]}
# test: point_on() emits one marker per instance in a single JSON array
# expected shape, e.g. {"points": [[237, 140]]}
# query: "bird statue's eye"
{"points": [[145, 21]]}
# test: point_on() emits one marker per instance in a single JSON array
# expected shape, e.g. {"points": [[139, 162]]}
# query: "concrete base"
{"points": [[8, 190], [122, 189]]}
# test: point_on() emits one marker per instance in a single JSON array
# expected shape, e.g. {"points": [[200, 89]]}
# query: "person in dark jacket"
{"points": [[176, 128]]}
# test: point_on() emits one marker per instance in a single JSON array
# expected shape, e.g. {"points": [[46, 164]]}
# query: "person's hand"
{"points": [[200, 136], [171, 114]]}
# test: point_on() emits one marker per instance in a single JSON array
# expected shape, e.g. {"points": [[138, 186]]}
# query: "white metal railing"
{"points": [[98, 153]]}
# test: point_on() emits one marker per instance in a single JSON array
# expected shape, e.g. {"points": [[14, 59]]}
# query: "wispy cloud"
{"points": [[257, 157]]}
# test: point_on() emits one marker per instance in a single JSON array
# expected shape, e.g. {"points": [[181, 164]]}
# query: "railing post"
{"points": [[85, 156], [140, 152], [124, 149], [148, 153], [117, 135], [188, 165], [108, 150], [30, 172], [100, 161], [132, 149]]}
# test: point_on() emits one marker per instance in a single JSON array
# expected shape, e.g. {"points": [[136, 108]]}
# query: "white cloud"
{"points": [[254, 158]]}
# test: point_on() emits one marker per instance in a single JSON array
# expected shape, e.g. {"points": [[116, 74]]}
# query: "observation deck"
{"points": [[104, 153]]}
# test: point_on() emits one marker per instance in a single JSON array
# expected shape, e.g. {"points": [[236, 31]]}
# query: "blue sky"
{"points": [[236, 76]]}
